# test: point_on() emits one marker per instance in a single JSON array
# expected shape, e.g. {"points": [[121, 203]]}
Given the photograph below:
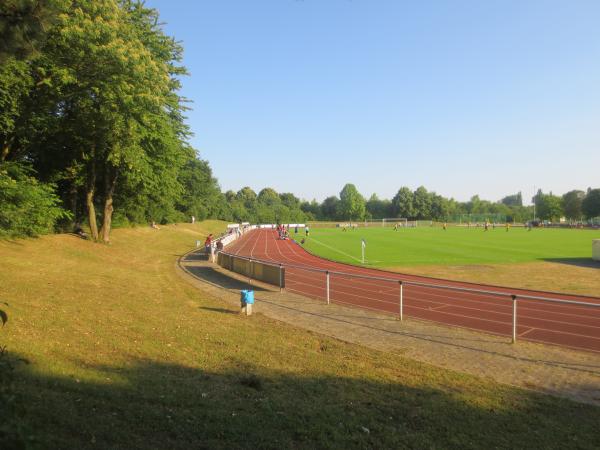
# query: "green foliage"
{"points": [[571, 202], [29, 208], [378, 209], [513, 200], [422, 203], [201, 196], [15, 82], [23, 25], [352, 204], [266, 207], [591, 203], [96, 111], [549, 207], [402, 203], [330, 208]]}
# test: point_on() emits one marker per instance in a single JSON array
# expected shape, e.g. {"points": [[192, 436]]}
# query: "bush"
{"points": [[27, 206]]}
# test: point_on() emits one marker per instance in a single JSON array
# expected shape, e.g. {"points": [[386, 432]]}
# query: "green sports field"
{"points": [[434, 246]]}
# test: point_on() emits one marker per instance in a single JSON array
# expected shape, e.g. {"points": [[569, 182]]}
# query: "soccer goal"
{"points": [[396, 221]]}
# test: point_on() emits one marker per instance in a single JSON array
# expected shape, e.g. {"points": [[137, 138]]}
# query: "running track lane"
{"points": [[566, 325]]}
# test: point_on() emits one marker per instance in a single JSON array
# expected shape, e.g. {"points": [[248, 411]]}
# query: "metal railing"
{"points": [[513, 296]]}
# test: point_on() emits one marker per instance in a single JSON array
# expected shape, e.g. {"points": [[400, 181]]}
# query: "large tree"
{"points": [[352, 203], [422, 203], [269, 196], [247, 196], [201, 196], [571, 202], [513, 200], [111, 92], [402, 203], [591, 203], [377, 208], [330, 208], [549, 207]]}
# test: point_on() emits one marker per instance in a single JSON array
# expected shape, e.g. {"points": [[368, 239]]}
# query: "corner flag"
{"points": [[363, 244]]}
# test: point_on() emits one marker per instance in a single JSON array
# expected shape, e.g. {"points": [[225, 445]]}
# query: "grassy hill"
{"points": [[113, 349]]}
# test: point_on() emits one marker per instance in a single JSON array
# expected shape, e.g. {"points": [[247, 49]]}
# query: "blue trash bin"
{"points": [[247, 297]]}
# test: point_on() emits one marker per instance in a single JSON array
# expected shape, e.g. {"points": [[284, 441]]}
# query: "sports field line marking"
{"points": [[336, 250]]}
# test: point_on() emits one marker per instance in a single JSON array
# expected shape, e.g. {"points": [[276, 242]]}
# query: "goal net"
{"points": [[399, 222]]}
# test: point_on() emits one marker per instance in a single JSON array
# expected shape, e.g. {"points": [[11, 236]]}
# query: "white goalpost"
{"points": [[397, 221], [400, 222]]}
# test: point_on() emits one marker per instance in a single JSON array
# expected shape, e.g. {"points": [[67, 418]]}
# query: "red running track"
{"points": [[567, 325]]}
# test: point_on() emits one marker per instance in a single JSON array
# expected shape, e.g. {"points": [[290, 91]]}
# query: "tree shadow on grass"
{"points": [[579, 262], [154, 404]]}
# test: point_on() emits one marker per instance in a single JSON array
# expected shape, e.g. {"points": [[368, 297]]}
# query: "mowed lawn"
{"points": [[114, 350], [457, 245]]}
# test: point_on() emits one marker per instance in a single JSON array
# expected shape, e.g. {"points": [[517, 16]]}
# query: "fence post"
{"points": [[250, 272], [327, 284], [280, 278], [514, 318], [401, 302]]}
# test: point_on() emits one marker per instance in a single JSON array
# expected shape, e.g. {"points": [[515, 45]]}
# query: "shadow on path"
{"points": [[197, 255], [213, 276]]}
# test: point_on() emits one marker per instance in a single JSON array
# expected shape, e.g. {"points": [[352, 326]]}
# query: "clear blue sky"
{"points": [[464, 97]]}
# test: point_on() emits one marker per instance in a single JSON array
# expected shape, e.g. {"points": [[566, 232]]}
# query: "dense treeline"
{"points": [[91, 123], [420, 204], [423, 204], [92, 130]]}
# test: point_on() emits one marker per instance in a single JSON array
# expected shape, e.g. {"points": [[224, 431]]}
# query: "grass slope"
{"points": [[432, 245], [117, 351]]}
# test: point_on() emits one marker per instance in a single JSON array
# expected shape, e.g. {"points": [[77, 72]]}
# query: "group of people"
{"points": [[211, 248], [283, 232]]}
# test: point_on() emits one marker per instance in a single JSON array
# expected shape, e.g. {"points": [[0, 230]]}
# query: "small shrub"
{"points": [[27, 206]]}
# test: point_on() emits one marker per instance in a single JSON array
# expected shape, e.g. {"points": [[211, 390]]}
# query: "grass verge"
{"points": [[114, 350]]}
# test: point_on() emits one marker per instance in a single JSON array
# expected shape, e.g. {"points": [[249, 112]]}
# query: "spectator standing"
{"points": [[208, 243]]}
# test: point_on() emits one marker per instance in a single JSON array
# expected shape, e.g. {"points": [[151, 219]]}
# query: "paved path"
{"points": [[545, 368]]}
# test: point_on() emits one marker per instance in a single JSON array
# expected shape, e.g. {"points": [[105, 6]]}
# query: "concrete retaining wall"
{"points": [[596, 249], [253, 269]]}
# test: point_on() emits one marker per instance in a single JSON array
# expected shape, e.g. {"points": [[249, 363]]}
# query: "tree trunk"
{"points": [[110, 183], [92, 213], [106, 223], [89, 196], [73, 200], [4, 153]]}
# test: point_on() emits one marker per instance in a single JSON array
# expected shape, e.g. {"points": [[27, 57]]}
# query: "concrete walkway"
{"points": [[544, 368]]}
